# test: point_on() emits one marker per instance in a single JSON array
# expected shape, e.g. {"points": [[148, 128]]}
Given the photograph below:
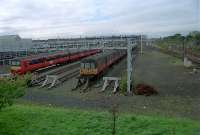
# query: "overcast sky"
{"points": [[72, 18]]}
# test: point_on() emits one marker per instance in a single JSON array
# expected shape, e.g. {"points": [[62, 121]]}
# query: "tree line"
{"points": [[178, 41]]}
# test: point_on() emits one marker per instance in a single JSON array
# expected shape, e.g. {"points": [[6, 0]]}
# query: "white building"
{"points": [[13, 43]]}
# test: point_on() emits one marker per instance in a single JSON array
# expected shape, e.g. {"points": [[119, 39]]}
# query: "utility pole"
{"points": [[185, 60], [141, 45], [184, 48]]}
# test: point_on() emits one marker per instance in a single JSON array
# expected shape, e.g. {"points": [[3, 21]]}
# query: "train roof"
{"points": [[98, 56], [38, 56], [46, 55]]}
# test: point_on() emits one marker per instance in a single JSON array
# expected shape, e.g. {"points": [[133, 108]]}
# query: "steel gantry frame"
{"points": [[129, 48]]}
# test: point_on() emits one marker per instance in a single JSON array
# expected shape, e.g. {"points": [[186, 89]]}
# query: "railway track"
{"points": [[191, 56], [194, 59], [59, 71], [53, 80], [40, 71]]}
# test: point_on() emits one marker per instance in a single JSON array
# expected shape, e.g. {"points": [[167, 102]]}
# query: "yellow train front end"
{"points": [[88, 72], [88, 68], [16, 68]]}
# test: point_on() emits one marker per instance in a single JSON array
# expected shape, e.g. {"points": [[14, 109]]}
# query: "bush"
{"points": [[27, 79], [11, 89], [123, 85]]}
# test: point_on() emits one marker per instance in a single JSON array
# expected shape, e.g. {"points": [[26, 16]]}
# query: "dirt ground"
{"points": [[178, 87]]}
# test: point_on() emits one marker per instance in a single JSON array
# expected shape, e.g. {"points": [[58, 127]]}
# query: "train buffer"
{"points": [[108, 80], [50, 79], [59, 77]]}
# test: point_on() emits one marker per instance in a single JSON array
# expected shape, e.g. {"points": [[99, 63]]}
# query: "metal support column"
{"points": [[129, 67]]}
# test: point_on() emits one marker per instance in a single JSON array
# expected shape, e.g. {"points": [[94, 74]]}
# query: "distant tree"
{"points": [[189, 37], [11, 89], [194, 37], [176, 41], [177, 36]]}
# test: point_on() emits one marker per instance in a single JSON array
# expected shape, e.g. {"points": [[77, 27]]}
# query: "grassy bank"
{"points": [[37, 120]]}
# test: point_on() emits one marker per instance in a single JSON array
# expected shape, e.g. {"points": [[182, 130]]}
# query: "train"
{"points": [[30, 64], [94, 66], [91, 68]]}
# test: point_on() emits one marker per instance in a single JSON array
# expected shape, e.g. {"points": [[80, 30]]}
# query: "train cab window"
{"points": [[36, 61], [87, 65], [92, 65], [82, 65]]}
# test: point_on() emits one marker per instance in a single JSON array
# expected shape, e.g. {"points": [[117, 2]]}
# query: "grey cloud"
{"points": [[46, 18]]}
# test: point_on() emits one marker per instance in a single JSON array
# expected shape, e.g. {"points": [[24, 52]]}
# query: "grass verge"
{"points": [[40, 120]]}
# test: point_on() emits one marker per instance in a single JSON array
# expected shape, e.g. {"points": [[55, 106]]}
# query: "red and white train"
{"points": [[33, 63]]}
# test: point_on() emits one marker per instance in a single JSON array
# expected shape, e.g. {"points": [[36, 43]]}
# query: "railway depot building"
{"points": [[86, 42], [12, 46], [14, 43]]}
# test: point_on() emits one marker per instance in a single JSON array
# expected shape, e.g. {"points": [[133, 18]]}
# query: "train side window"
{"points": [[15, 63]]}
